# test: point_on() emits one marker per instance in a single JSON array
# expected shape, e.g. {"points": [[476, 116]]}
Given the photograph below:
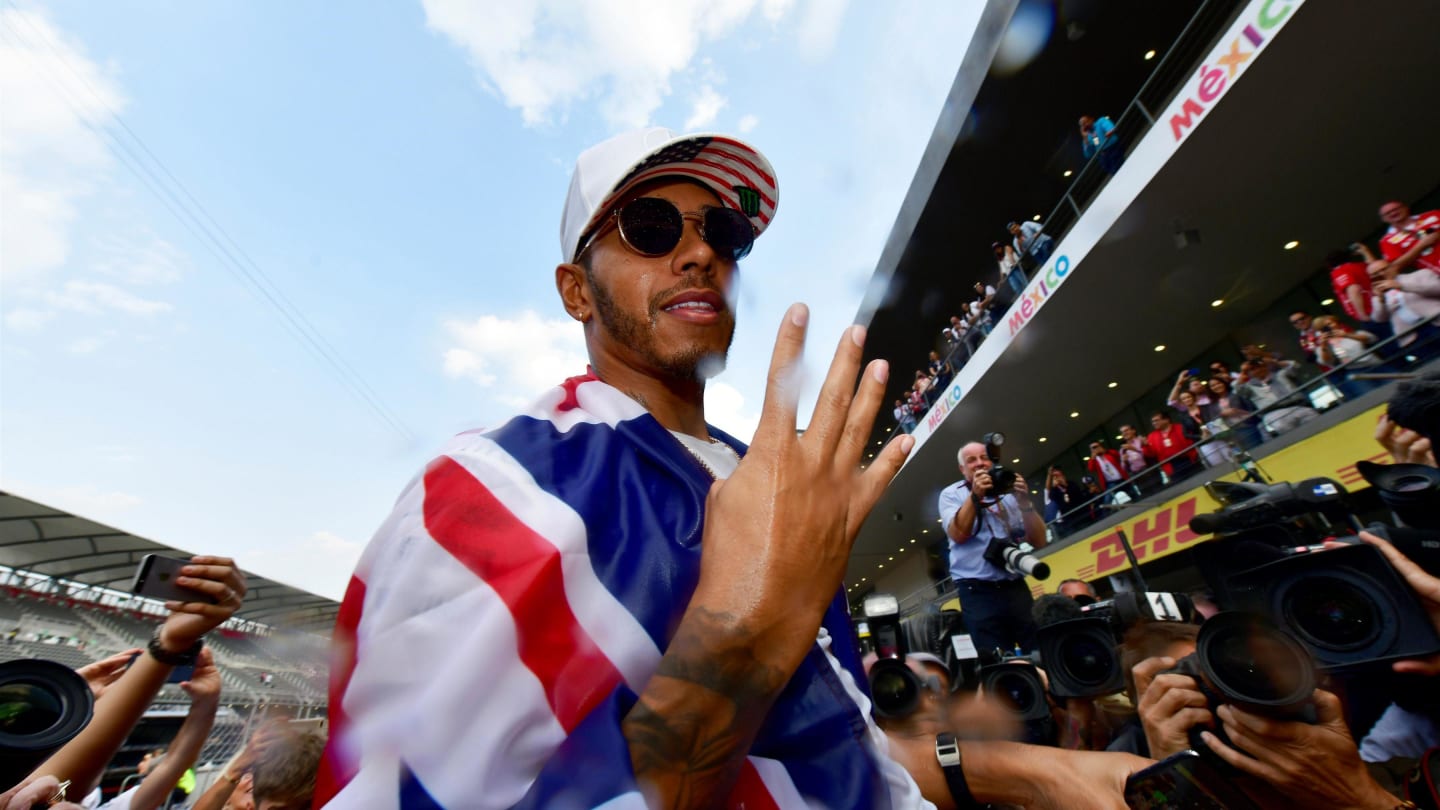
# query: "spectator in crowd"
{"points": [[1106, 467], [123, 700], [1308, 338], [1137, 456], [1237, 412], [1079, 590], [1219, 368], [904, 417], [980, 308], [1189, 381], [1170, 444], [734, 637], [1411, 302], [1337, 345], [922, 384], [940, 371], [1409, 242], [997, 602], [1098, 136], [163, 772], [1011, 274], [275, 771], [916, 401], [1067, 496], [1273, 389], [1354, 288], [1032, 243]]}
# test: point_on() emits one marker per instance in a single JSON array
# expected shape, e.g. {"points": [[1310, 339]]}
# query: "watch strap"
{"points": [[947, 751], [174, 659]]}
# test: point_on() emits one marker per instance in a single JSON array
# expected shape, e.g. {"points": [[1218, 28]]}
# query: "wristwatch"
{"points": [[948, 752], [174, 659]]}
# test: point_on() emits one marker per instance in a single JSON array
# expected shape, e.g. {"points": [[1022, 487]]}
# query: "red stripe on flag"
{"points": [[742, 151], [750, 792], [722, 167], [662, 171], [524, 569], [333, 773], [572, 400]]}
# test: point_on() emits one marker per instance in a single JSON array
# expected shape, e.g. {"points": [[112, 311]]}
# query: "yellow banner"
{"points": [[1164, 529]]}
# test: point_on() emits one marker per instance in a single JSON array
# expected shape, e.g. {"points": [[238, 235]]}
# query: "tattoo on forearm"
{"points": [[688, 743]]}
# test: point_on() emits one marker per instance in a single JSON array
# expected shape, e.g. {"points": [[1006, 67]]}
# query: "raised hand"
{"points": [[101, 674], [217, 577], [778, 532], [204, 683]]}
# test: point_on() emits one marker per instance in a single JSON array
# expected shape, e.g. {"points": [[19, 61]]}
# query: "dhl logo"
{"points": [[1350, 476], [1150, 537]]}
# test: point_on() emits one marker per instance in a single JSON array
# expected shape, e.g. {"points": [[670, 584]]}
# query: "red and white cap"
{"points": [[736, 171]]}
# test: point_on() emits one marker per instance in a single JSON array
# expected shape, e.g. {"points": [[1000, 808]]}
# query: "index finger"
{"points": [[782, 387], [1415, 576]]}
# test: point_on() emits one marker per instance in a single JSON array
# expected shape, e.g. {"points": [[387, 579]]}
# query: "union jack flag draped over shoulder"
{"points": [[505, 616]]}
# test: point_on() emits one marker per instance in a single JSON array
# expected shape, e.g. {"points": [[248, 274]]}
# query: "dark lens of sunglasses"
{"points": [[651, 225], [729, 232]]}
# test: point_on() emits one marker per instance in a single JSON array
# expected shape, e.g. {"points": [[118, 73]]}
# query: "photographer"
{"points": [[995, 601]]}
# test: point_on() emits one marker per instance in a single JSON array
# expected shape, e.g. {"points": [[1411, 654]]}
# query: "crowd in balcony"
{"points": [[1215, 415]]}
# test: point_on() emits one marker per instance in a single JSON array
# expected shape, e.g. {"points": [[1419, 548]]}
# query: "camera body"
{"points": [[894, 688], [1080, 655]]}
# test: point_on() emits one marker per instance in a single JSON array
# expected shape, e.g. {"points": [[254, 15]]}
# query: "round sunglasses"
{"points": [[653, 226]]}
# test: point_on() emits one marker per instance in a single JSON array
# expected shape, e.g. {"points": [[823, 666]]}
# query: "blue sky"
{"points": [[396, 174]]}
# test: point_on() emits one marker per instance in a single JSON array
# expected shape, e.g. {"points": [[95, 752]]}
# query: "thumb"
{"points": [[1328, 711]]}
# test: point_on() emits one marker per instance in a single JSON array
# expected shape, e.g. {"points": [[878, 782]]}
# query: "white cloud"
{"points": [[320, 562], [92, 297], [542, 56], [27, 320], [819, 27], [88, 345], [519, 357], [725, 409], [152, 261], [747, 123], [706, 107], [54, 97]]}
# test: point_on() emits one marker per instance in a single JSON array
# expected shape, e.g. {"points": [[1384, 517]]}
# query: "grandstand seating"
{"points": [[76, 633]]}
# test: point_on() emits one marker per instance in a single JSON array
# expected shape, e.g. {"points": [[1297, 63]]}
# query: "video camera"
{"points": [[43, 705], [1347, 605]]}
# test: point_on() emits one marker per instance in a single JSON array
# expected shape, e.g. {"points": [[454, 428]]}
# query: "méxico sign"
{"points": [[1218, 72]]}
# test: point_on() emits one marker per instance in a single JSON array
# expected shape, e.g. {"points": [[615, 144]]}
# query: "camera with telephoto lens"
{"points": [[1247, 660], [1412, 491], [894, 687], [1017, 558], [1080, 654], [43, 705], [1347, 605], [1002, 478], [1014, 683]]}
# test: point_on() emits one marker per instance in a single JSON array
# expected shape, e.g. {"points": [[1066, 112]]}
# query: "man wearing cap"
{"points": [[599, 602]]}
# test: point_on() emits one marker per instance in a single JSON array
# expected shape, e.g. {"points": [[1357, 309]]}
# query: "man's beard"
{"points": [[692, 364]]}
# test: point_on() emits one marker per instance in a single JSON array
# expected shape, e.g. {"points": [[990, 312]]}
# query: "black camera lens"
{"points": [[42, 706], [894, 687], [1333, 613], [28, 708], [1252, 662], [1087, 660], [1017, 691]]}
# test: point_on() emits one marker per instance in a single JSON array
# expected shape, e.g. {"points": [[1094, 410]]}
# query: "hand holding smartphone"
{"points": [[156, 579]]}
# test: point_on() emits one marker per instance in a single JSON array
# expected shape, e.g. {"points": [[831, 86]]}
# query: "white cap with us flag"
{"points": [[736, 171]]}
